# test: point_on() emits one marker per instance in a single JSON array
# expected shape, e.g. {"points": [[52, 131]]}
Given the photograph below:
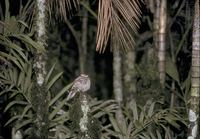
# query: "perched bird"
{"points": [[80, 84]]}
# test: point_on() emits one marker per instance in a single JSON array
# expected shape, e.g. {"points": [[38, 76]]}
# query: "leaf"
{"points": [[19, 59], [109, 132], [114, 123], [4, 75], [101, 105], [14, 75], [12, 119], [60, 94], [7, 13], [62, 8], [151, 109], [171, 70], [158, 134], [27, 83], [87, 6], [21, 78], [7, 43], [29, 41], [100, 108], [26, 109], [180, 44], [142, 136], [108, 109], [63, 118], [23, 23], [116, 22], [133, 107], [58, 107], [23, 123], [146, 136], [187, 83], [7, 90], [28, 93], [11, 76], [49, 73], [53, 125], [142, 116], [171, 121], [55, 78], [151, 134], [13, 59], [14, 93], [15, 102], [18, 49]]}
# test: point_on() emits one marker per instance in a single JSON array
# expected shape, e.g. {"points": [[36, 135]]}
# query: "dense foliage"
{"points": [[148, 110]]}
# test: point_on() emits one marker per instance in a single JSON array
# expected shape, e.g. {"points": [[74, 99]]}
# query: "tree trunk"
{"points": [[117, 76], [83, 46], [117, 87], [156, 23], [40, 93], [195, 77], [162, 41], [129, 76], [173, 88]]}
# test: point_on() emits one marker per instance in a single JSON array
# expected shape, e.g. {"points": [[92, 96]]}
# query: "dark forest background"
{"points": [[147, 108]]}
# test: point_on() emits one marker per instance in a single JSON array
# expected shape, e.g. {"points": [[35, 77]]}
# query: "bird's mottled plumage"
{"points": [[80, 84]]}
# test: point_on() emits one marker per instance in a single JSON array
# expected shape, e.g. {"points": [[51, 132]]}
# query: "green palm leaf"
{"points": [[55, 78], [14, 103], [64, 90]]}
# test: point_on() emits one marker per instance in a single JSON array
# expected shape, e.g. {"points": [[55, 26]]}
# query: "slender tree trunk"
{"points": [[83, 47], [156, 23], [117, 87], [91, 59], [117, 76], [129, 76], [162, 41], [156, 36], [173, 88], [84, 121], [195, 77], [40, 99]]}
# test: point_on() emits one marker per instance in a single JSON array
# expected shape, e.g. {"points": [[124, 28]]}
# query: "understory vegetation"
{"points": [[128, 98]]}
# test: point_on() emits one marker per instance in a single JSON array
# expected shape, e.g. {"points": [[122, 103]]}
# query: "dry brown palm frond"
{"points": [[117, 19], [62, 8]]}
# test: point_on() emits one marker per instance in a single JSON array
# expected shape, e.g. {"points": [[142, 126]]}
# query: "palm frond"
{"points": [[117, 20], [146, 121], [62, 8]]}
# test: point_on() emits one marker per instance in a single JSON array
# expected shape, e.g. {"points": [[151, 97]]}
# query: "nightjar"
{"points": [[80, 84]]}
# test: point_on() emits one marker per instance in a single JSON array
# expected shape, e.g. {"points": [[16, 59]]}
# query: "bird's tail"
{"points": [[71, 95]]}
